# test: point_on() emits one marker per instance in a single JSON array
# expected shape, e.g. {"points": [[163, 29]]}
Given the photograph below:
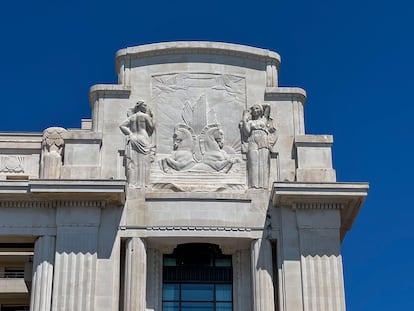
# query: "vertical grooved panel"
{"points": [[44, 255]]}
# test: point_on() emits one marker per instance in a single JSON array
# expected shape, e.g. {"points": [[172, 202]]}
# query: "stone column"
{"points": [[135, 275], [242, 281], [44, 257], [263, 291], [154, 279]]}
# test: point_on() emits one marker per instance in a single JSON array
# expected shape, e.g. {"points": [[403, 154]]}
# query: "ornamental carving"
{"points": [[198, 144], [52, 152], [138, 129], [12, 164], [258, 137]]}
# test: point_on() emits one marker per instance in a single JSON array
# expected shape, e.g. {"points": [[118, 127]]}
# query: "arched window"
{"points": [[197, 276]]}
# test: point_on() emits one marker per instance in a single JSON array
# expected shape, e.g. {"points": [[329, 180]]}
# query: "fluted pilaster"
{"points": [[44, 257], [135, 275], [75, 270], [154, 279], [323, 288], [263, 291]]}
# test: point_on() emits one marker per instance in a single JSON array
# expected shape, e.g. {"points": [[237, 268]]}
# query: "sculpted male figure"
{"points": [[138, 128]]}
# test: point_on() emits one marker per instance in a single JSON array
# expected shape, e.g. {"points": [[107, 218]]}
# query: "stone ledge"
{"points": [[21, 141], [196, 47], [312, 140], [283, 93], [100, 90], [64, 190], [350, 196], [82, 135]]}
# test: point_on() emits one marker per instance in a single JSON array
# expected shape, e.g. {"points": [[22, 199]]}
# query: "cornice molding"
{"points": [[108, 90], [195, 47], [318, 205], [285, 93], [62, 192], [346, 197]]}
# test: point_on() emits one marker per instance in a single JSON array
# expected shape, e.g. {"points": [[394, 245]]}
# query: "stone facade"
{"points": [[196, 145]]}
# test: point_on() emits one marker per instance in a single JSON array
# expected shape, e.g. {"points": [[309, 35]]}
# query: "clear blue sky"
{"points": [[354, 58]]}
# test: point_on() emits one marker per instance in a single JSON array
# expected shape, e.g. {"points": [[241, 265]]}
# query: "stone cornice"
{"points": [[78, 134], [346, 197], [313, 140], [285, 93], [112, 90], [196, 47], [15, 140], [62, 192]]}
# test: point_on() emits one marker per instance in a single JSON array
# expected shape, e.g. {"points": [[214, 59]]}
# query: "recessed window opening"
{"points": [[197, 276]]}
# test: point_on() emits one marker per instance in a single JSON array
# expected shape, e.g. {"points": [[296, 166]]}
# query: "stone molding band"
{"points": [[194, 47], [51, 204], [318, 205]]}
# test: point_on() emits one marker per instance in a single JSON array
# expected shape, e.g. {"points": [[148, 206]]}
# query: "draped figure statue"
{"points": [[256, 126], [138, 127]]}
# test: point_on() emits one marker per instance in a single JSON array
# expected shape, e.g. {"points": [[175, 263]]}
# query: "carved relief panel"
{"points": [[197, 133]]}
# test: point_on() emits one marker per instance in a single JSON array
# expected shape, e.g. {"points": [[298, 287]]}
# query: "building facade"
{"points": [[193, 187]]}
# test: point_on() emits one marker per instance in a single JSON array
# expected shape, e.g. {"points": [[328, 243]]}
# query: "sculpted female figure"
{"points": [[255, 127], [138, 128]]}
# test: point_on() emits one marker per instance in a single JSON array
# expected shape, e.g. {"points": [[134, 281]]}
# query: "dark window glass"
{"points": [[197, 292], [224, 292], [171, 292], [197, 306], [197, 277]]}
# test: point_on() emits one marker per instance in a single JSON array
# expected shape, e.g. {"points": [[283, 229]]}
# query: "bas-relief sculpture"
{"points": [[194, 119], [197, 100], [196, 133], [211, 157], [12, 164], [258, 136], [52, 150], [138, 128], [182, 158]]}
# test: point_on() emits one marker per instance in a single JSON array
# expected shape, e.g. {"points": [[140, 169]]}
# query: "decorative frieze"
{"points": [[193, 228], [318, 205], [51, 204], [12, 164]]}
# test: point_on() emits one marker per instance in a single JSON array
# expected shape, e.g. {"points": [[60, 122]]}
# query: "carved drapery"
{"points": [[258, 135], [139, 151], [52, 151]]}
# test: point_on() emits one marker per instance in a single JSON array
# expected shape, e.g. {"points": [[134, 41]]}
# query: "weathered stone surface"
{"points": [[197, 143]]}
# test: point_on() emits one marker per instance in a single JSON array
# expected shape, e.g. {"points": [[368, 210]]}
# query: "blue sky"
{"points": [[354, 59]]}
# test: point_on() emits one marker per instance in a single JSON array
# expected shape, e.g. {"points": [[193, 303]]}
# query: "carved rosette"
{"points": [[52, 151]]}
